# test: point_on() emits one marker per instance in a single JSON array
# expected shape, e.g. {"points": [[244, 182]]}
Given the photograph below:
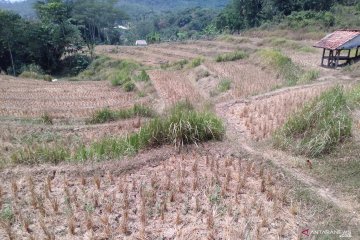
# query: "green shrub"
{"points": [[33, 68], [129, 86], [33, 71], [116, 71], [226, 57], [318, 127], [28, 74], [74, 64], [224, 85], [310, 20], [47, 78]]}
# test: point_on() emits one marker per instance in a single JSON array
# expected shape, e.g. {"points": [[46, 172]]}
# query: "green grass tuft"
{"points": [[129, 86], [184, 63], [118, 72], [286, 68], [178, 65], [196, 62], [46, 119], [40, 154], [182, 125], [353, 97], [143, 76], [108, 115], [309, 76], [224, 85], [227, 57], [318, 127]]}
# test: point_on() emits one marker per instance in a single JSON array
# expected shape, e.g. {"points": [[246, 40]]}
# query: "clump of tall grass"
{"points": [[287, 43], [178, 65], [35, 72], [353, 96], [309, 76], [39, 154], [129, 86], [353, 70], [233, 56], [143, 76], [224, 85], [183, 63], [108, 115], [318, 127], [195, 62], [286, 68], [182, 125], [46, 119], [229, 38]]}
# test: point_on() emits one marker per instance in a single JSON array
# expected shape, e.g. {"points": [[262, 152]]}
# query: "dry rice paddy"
{"points": [[186, 197]]}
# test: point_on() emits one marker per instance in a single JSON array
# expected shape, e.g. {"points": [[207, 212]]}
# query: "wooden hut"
{"points": [[336, 44]]}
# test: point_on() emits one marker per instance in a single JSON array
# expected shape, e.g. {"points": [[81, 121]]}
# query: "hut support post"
{"points": [[331, 58], [323, 56], [348, 58], [357, 51], [337, 55]]}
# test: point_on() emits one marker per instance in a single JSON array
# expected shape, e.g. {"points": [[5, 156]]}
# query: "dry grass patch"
{"points": [[60, 100], [247, 79]]}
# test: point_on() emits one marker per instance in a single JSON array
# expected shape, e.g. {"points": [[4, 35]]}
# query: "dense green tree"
{"points": [[153, 37], [56, 34], [11, 32], [250, 11], [230, 20], [97, 20]]}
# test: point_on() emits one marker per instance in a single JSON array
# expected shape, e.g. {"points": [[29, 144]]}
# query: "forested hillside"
{"points": [[323, 14], [24, 8], [145, 6], [132, 7], [54, 28]]}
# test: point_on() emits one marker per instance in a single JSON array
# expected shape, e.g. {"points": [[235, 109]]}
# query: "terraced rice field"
{"points": [[224, 192], [27, 98], [193, 196]]}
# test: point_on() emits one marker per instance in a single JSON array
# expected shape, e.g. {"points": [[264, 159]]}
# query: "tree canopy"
{"points": [[61, 28]]}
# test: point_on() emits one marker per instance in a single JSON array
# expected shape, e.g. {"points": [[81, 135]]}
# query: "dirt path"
{"points": [[329, 195], [282, 160]]}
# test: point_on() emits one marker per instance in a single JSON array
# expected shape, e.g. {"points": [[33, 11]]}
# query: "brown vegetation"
{"points": [[190, 196]]}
